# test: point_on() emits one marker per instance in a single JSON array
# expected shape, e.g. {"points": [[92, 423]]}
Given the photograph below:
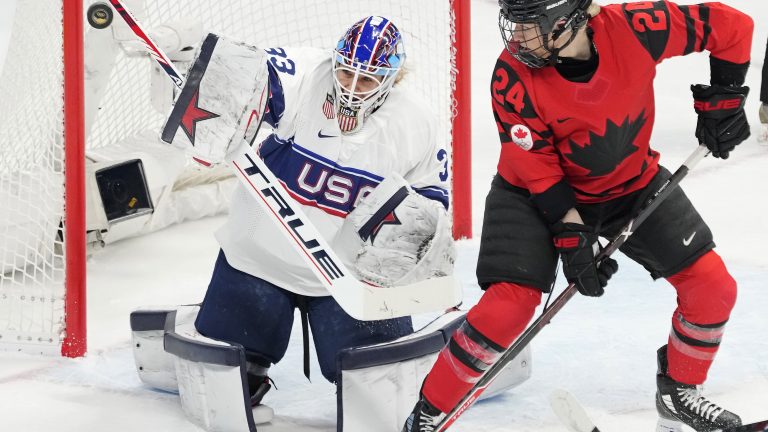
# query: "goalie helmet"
{"points": [[528, 27], [366, 62]]}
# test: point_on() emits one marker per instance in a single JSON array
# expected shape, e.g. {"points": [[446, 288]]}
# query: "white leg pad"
{"points": [[154, 366], [212, 381], [209, 375], [380, 383], [262, 414], [148, 328]]}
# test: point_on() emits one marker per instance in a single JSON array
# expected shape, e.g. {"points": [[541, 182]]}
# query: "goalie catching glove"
{"points": [[402, 237]]}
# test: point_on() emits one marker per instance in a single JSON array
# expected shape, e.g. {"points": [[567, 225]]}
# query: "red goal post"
{"points": [[66, 102]]}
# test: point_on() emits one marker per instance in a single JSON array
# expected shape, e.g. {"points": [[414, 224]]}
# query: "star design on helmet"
{"points": [[194, 114]]}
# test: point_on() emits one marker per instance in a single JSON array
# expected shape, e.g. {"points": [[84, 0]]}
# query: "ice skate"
{"points": [[258, 386], [681, 404], [423, 418]]}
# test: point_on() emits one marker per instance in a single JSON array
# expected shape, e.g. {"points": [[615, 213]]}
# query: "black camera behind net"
{"points": [[123, 190]]}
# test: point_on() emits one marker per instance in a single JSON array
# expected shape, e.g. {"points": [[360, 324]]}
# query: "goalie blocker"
{"points": [[373, 394], [222, 102]]}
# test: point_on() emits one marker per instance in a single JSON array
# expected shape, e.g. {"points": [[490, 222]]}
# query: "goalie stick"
{"points": [[572, 414], [360, 300], [546, 316]]}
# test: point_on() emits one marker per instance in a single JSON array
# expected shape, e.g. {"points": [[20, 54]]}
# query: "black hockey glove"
{"points": [[722, 122], [578, 246]]}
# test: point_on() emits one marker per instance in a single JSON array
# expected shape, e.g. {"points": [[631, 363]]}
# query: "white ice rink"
{"points": [[602, 350]]}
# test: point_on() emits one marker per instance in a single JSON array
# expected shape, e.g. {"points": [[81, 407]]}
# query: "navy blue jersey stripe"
{"points": [[276, 102], [434, 193], [302, 171], [338, 167], [333, 188]]}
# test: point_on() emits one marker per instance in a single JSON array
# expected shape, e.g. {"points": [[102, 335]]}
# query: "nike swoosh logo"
{"points": [[321, 135], [688, 241], [563, 120]]}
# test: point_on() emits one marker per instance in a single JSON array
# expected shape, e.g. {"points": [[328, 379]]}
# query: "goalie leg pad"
{"points": [[378, 383], [148, 328], [154, 366], [209, 375], [212, 379]]}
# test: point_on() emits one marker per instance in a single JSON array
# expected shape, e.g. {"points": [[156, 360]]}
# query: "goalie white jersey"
{"points": [[323, 170]]}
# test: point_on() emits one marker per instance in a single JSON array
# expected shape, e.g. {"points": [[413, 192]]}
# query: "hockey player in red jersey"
{"points": [[573, 98]]}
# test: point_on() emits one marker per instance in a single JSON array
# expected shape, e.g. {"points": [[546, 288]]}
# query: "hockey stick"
{"points": [[546, 316], [573, 415], [358, 299], [570, 412]]}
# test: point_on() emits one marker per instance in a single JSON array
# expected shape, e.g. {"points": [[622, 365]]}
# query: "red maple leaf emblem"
{"points": [[520, 133]]}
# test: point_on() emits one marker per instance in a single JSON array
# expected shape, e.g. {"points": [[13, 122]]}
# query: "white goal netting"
{"points": [[122, 102]]}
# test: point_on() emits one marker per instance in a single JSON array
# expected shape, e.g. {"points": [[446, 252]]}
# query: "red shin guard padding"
{"points": [[501, 315], [706, 293]]}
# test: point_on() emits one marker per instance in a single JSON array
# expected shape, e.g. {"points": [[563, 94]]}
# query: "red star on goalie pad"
{"points": [[192, 115]]}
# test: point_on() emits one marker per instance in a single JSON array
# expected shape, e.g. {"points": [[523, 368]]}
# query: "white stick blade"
{"points": [[429, 295], [570, 411]]}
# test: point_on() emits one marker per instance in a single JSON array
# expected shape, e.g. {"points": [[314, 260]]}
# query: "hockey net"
{"points": [[37, 304]]}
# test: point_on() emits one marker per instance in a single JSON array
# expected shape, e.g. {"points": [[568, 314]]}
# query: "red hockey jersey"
{"points": [[595, 135]]}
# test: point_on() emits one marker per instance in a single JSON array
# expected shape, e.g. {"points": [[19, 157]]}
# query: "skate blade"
{"points": [[262, 414], [667, 425]]}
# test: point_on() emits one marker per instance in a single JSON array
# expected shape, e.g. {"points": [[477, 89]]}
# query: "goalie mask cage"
{"points": [[51, 115]]}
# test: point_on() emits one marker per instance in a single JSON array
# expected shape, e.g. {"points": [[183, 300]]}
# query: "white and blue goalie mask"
{"points": [[366, 62]]}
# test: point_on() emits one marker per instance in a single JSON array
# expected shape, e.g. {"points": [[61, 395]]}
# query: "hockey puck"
{"points": [[99, 15]]}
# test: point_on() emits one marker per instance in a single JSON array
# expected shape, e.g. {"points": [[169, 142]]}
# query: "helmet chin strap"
{"points": [[555, 53]]}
